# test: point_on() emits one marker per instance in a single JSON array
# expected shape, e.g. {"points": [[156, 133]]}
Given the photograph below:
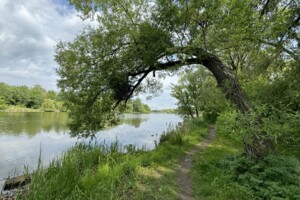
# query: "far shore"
{"points": [[24, 109]]}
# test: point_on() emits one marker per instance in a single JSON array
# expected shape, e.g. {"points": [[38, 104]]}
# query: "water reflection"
{"points": [[133, 121], [22, 135], [32, 123]]}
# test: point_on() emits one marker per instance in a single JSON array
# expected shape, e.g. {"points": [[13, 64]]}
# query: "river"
{"points": [[25, 136]]}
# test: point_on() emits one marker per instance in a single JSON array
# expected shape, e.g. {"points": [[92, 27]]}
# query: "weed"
{"points": [[99, 171]]}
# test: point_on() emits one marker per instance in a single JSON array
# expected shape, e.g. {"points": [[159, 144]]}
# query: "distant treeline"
{"points": [[170, 110], [50, 101], [134, 106], [30, 97]]}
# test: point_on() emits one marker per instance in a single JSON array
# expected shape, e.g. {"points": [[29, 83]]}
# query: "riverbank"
{"points": [[24, 109], [104, 172], [219, 171], [222, 171], [20, 109]]}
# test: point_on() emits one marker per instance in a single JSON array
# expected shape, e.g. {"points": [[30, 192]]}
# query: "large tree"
{"points": [[137, 40], [196, 93]]}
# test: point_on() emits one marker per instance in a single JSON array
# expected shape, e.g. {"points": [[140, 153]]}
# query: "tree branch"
{"points": [[136, 85], [265, 9], [276, 45]]}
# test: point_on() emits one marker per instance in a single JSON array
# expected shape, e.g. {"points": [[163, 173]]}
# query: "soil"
{"points": [[183, 179]]}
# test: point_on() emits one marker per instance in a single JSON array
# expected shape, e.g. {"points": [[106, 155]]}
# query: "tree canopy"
{"points": [[197, 94], [138, 41], [35, 97]]}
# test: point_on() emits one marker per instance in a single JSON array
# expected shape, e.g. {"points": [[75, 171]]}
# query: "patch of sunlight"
{"points": [[149, 172], [155, 173]]}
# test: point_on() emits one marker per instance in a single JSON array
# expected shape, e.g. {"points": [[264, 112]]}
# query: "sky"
{"points": [[29, 32]]}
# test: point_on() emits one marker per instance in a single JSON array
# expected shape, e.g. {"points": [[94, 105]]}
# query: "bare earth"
{"points": [[183, 180]]}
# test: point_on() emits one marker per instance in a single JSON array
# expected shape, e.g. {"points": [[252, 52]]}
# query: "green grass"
{"points": [[102, 172], [221, 172], [20, 108], [211, 181]]}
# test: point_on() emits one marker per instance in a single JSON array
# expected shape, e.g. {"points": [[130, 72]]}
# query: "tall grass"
{"points": [[98, 171], [222, 172]]}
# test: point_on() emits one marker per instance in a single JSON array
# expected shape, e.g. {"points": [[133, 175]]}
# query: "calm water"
{"points": [[24, 135]]}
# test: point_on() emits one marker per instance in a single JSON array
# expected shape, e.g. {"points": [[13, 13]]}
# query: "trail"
{"points": [[183, 179]]}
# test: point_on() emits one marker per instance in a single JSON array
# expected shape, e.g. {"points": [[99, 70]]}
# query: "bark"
{"points": [[197, 112], [260, 144], [189, 107], [227, 81]]}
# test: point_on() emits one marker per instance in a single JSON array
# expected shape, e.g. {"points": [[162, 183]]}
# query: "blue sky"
{"points": [[29, 32]]}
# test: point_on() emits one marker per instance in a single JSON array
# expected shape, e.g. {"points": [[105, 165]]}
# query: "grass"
{"points": [[221, 172], [19, 108], [105, 172], [212, 182]]}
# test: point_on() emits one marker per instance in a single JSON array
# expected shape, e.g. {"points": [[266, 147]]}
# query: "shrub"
{"points": [[274, 177], [211, 115], [3, 106]]}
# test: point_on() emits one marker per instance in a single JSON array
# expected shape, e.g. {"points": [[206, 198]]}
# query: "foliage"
{"points": [[282, 126], [210, 180], [278, 87], [49, 105], [196, 92], [228, 174], [211, 115], [112, 62], [35, 97], [135, 106], [274, 177], [168, 110], [3, 106], [227, 123], [52, 95]]}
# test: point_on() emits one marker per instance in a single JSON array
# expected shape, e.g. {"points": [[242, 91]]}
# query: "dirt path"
{"points": [[183, 180]]}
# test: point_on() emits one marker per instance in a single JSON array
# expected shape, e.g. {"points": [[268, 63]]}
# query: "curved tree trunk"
{"points": [[260, 144]]}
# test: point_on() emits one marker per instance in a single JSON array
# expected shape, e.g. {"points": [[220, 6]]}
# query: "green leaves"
{"points": [[274, 177], [197, 92], [136, 38]]}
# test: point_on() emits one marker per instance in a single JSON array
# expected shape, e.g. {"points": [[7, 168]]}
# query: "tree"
{"points": [[109, 64], [196, 92], [36, 97], [6, 93], [51, 95], [134, 106], [146, 108], [49, 105], [138, 106], [2, 104]]}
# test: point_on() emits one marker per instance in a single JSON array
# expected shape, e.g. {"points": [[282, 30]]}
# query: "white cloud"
{"points": [[164, 100], [29, 32]]}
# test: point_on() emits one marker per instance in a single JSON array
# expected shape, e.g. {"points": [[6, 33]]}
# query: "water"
{"points": [[24, 135]]}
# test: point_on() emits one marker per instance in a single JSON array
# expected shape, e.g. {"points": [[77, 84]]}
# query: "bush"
{"points": [[274, 177], [227, 124], [3, 106], [174, 137], [211, 115]]}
